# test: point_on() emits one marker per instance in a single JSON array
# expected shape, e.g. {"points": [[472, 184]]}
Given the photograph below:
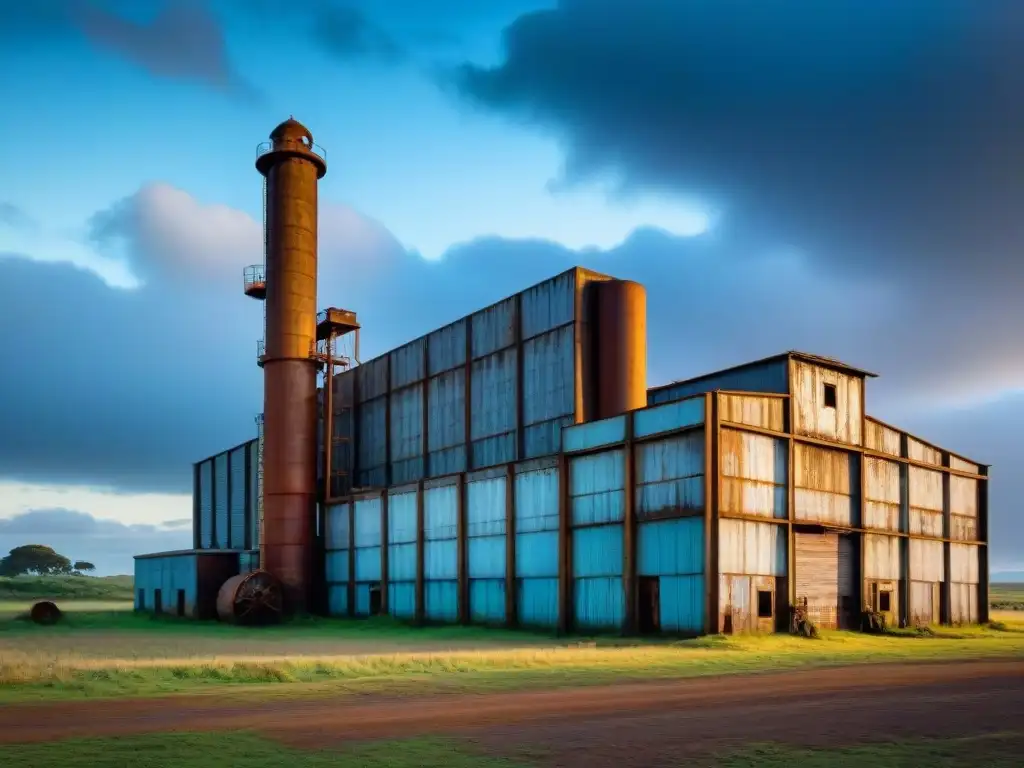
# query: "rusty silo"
{"points": [[292, 167], [622, 348]]}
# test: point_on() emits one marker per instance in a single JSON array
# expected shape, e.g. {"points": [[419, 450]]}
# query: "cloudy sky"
{"points": [[838, 177]]}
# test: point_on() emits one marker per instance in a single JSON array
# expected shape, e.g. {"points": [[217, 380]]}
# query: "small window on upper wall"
{"points": [[830, 396]]}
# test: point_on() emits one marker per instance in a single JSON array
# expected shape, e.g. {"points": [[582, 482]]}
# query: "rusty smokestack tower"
{"points": [[292, 166]]}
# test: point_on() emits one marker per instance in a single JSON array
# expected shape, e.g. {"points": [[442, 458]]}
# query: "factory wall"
{"points": [[225, 500], [182, 583]]}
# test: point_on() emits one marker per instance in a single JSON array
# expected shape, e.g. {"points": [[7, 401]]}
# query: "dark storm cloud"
{"points": [[871, 135], [346, 32], [107, 544]]}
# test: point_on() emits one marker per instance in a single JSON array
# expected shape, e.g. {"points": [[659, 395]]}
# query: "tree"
{"points": [[34, 558], [81, 566]]}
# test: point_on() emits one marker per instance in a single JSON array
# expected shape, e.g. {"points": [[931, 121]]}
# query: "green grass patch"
{"points": [[109, 655], [1006, 597], [29, 589], [992, 751], [240, 750]]}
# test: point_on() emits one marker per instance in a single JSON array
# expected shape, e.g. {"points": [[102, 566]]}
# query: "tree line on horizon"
{"points": [[38, 560]]}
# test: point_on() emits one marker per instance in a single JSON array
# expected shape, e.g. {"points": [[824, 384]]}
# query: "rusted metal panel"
{"points": [[963, 496], [925, 497], [493, 328], [882, 559], [881, 437], [824, 480], [825, 571], [446, 348], [764, 412], [739, 603], [927, 562], [964, 602], [924, 602], [596, 488], [654, 420], [594, 434], [372, 378], [548, 305], [962, 528], [764, 376], [919, 451], [548, 376], [407, 434], [963, 563], [670, 475], [963, 465], [622, 348], [882, 495], [446, 423], [812, 413], [408, 364], [754, 470], [746, 547], [493, 411]]}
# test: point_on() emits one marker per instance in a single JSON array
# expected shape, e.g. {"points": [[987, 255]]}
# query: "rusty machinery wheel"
{"points": [[251, 599], [45, 612]]}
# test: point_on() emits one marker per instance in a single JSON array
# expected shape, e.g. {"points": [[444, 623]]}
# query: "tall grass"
{"points": [[31, 588]]}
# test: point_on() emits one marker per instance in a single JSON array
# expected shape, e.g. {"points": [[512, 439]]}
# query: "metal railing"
{"points": [[254, 278], [261, 351], [298, 145]]}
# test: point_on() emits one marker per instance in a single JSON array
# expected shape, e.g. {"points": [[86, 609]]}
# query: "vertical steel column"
{"points": [[629, 532], [420, 548], [511, 619]]}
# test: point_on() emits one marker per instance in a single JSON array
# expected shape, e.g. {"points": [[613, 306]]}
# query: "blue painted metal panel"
{"points": [[536, 500], [493, 328], [487, 600], [670, 547], [597, 551], [407, 434], [544, 438], [237, 500], [486, 556], [537, 602], [362, 599], [206, 505], [441, 559], [368, 564], [441, 600], [446, 348], [769, 376], [670, 474], [220, 500], [407, 364], [337, 566], [549, 386], [493, 410], [367, 514], [337, 533], [372, 447], [248, 562], [441, 512], [402, 599], [548, 304], [402, 562], [337, 600], [599, 603], [253, 500], [682, 603], [596, 485], [594, 434], [402, 517], [537, 554], [372, 378], [446, 422], [663, 418], [485, 507]]}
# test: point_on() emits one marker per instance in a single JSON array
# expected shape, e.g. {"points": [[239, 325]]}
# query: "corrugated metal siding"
{"points": [[754, 474], [372, 378], [925, 494], [963, 507], [220, 500], [594, 434], [407, 364], [446, 428], [402, 599], [536, 500], [596, 488], [537, 602], [485, 530], [441, 600], [447, 348], [372, 446], [402, 554], [254, 494], [597, 573], [671, 547], [824, 479], [487, 600], [237, 500], [963, 564], [879, 437], [919, 451], [336, 533], [367, 540], [670, 475], [549, 390], [169, 575], [963, 465], [407, 434], [882, 494], [751, 548], [536, 563], [811, 417], [337, 566], [493, 328], [769, 376], [665, 418], [927, 562], [549, 304], [206, 505], [248, 562], [764, 412], [823, 571], [493, 413], [882, 559], [337, 599], [924, 602], [440, 553], [963, 603]]}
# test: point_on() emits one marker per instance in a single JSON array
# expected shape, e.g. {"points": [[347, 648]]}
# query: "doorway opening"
{"points": [[158, 603], [181, 602], [375, 600], [649, 606]]}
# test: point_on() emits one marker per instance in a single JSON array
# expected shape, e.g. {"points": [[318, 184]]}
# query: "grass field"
{"points": [[28, 589], [236, 750], [1007, 597]]}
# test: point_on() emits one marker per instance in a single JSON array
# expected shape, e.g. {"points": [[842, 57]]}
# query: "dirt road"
{"points": [[617, 724]]}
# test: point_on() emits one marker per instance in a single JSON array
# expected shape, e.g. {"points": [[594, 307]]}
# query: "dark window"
{"points": [[764, 604], [158, 603], [142, 599], [376, 604], [830, 395], [885, 601], [181, 602], [649, 608]]}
